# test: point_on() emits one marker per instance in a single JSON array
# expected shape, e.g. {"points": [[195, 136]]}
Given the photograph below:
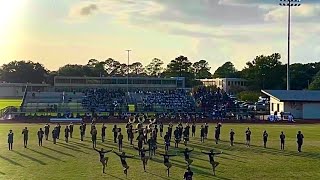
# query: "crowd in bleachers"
{"points": [[214, 101], [178, 100], [101, 100]]}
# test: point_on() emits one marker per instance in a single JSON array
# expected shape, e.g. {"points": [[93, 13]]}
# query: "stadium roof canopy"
{"points": [[294, 95]]}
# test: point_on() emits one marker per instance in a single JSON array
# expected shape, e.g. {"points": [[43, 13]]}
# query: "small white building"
{"points": [[226, 84], [302, 104]]}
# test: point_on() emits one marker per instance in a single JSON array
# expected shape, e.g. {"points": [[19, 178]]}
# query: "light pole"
{"points": [[128, 71], [289, 3]]}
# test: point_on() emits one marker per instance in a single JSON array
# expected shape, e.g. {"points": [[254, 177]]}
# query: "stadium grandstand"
{"points": [[75, 97]]}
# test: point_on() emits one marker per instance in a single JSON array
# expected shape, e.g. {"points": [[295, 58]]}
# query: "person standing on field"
{"points": [[71, 129], [232, 133], [299, 140], [282, 139], [40, 136], [103, 132], [46, 131], [10, 139], [265, 138], [25, 133], [66, 134]]}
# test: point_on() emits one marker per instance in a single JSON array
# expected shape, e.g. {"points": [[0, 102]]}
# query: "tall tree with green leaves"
{"points": [[136, 69], [265, 72], [23, 72], [227, 70], [315, 84], [202, 69], [154, 68], [181, 67]]}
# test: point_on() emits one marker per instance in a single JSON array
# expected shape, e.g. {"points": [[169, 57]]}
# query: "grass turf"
{"points": [[10, 102], [77, 160]]}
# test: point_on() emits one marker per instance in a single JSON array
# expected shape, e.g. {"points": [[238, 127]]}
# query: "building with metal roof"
{"points": [[302, 104]]}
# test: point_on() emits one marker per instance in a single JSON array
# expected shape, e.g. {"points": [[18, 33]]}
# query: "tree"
{"points": [[97, 67], [136, 69], [154, 68], [227, 70], [315, 84], [72, 70], [202, 69], [111, 66], [302, 74], [181, 67], [23, 72], [249, 96], [265, 72]]}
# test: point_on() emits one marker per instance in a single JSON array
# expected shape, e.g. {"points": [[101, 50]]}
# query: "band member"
{"points": [[152, 146], [84, 129], [103, 159], [140, 139], [25, 133], [103, 132], [81, 131], [186, 153], [202, 134], [282, 139], [166, 161], [40, 136], [123, 157], [10, 139], [166, 142], [66, 134], [186, 136], [231, 137], [216, 135], [188, 174], [120, 138], [265, 138], [206, 130], [54, 135], [46, 130], [177, 137], [219, 125], [94, 136], [211, 159], [161, 129], [128, 129], [299, 140], [144, 158], [170, 126], [248, 137], [71, 129], [58, 130], [193, 129], [115, 133]]}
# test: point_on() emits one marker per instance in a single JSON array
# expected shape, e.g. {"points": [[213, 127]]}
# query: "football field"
{"points": [[77, 160]]}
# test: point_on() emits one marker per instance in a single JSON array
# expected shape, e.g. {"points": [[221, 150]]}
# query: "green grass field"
{"points": [[10, 102], [77, 160]]}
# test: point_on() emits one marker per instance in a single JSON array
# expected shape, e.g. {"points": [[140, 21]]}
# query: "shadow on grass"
{"points": [[11, 161], [115, 177], [159, 176], [198, 170], [46, 155], [1, 173], [31, 158], [60, 152], [69, 147]]}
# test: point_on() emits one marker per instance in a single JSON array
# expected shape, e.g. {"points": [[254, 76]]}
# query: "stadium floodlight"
{"points": [[289, 3], [128, 71]]}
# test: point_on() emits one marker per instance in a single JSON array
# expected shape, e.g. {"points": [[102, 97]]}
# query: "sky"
{"points": [[59, 32]]}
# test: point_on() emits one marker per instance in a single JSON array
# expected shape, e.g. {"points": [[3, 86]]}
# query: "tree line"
{"points": [[263, 72]]}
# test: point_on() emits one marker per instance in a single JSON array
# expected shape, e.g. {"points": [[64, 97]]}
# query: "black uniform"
{"points": [[103, 133], [71, 130], [282, 139], [193, 129], [46, 131], [231, 138], [300, 141], [40, 137]]}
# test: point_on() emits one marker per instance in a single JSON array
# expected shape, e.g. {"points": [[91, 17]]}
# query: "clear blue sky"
{"points": [[57, 32]]}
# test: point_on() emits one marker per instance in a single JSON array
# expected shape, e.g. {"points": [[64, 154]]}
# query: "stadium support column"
{"points": [[128, 71], [289, 3]]}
